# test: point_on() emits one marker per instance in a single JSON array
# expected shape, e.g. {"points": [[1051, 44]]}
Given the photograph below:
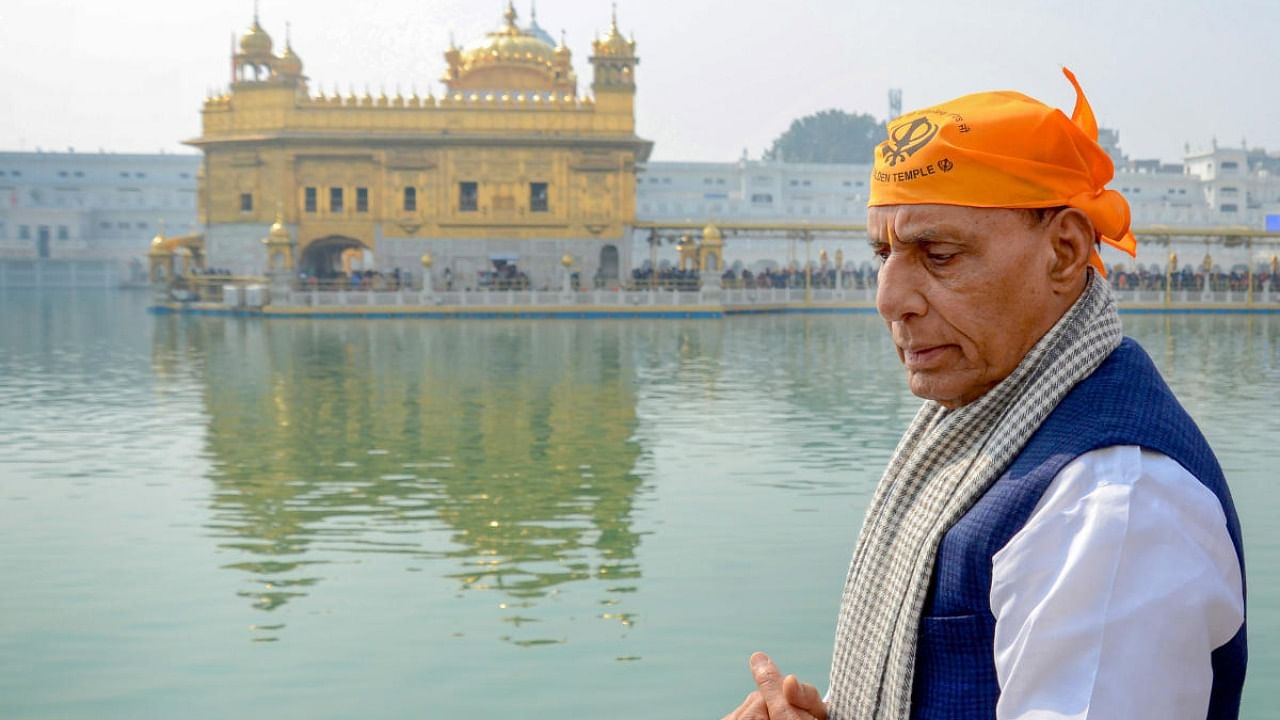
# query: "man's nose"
{"points": [[899, 290]]}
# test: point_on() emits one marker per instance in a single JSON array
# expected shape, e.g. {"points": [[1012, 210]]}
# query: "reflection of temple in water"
{"points": [[333, 439]]}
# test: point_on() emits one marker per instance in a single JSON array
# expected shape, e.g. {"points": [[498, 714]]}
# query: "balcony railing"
{"points": [[1130, 289]]}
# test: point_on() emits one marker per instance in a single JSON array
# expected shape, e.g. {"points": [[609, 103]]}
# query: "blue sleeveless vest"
{"points": [[1124, 402]]}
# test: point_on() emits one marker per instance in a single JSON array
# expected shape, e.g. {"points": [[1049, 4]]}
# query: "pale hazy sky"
{"points": [[714, 77]]}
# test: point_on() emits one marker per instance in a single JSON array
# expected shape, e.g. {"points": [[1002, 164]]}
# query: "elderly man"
{"points": [[1053, 537]]}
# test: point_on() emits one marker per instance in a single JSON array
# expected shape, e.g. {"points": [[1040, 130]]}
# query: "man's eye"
{"points": [[940, 258], [882, 253]]}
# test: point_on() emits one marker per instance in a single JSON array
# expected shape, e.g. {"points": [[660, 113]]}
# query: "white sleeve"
{"points": [[1110, 599]]}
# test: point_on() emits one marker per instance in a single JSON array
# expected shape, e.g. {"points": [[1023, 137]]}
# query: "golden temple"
{"points": [[510, 164]]}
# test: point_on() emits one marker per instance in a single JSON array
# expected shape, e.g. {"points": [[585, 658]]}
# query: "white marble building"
{"points": [[1219, 187], [101, 208]]}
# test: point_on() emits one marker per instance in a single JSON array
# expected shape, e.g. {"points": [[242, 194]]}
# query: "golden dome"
{"points": [[711, 235], [159, 246], [255, 41], [505, 46], [512, 60], [509, 44], [289, 63], [278, 234], [614, 44]]}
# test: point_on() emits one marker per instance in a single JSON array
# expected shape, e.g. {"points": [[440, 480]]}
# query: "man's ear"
{"points": [[1070, 232]]}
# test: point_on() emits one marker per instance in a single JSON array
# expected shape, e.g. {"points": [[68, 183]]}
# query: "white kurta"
{"points": [[1110, 599]]}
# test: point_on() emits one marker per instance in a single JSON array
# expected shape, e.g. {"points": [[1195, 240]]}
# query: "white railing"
{"points": [[735, 297], [490, 299], [1187, 296]]}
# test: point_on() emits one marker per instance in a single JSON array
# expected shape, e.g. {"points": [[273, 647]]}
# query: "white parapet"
{"points": [[255, 296]]}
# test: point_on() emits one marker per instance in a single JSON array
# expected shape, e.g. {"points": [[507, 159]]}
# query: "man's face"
{"points": [[964, 293]]}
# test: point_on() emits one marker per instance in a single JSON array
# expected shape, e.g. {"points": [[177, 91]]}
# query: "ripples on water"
{"points": [[205, 516]]}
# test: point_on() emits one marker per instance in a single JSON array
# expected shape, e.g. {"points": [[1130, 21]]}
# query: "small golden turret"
{"points": [[614, 44], [289, 64], [255, 41]]}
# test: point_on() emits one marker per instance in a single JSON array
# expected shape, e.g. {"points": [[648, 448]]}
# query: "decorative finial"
{"points": [[510, 14], [255, 12], [533, 11], [288, 34], [562, 39], [615, 18]]}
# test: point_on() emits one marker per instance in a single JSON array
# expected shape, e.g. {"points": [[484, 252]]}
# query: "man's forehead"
{"points": [[917, 223]]}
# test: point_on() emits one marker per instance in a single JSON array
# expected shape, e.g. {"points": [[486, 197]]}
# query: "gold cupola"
{"points": [[614, 44], [509, 59], [613, 61], [279, 245], [253, 62], [288, 64], [278, 232], [160, 245], [255, 41]]}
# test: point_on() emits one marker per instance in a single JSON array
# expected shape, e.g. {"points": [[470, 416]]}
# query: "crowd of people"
{"points": [[509, 277], [1192, 279], [356, 280], [220, 272], [849, 278], [665, 277], [787, 277]]}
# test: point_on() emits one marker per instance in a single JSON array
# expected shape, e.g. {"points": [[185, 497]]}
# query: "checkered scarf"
{"points": [[945, 462]]}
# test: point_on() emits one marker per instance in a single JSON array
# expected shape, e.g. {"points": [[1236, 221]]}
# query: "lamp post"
{"points": [[840, 269], [1248, 271], [1168, 277], [808, 266], [567, 288], [710, 263], [426, 273], [160, 266], [1275, 266], [654, 240]]}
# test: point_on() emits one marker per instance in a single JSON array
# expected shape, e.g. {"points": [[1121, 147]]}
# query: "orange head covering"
{"points": [[1003, 150]]}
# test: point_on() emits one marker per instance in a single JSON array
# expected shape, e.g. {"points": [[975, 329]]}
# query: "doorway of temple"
{"points": [[607, 275], [334, 257]]}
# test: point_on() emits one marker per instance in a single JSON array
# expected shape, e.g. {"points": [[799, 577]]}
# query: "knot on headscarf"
{"points": [[1003, 150]]}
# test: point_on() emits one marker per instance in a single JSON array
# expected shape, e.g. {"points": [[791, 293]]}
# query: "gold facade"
{"points": [[510, 150]]}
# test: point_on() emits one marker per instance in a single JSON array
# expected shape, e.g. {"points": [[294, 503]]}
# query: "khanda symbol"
{"points": [[906, 139]]}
